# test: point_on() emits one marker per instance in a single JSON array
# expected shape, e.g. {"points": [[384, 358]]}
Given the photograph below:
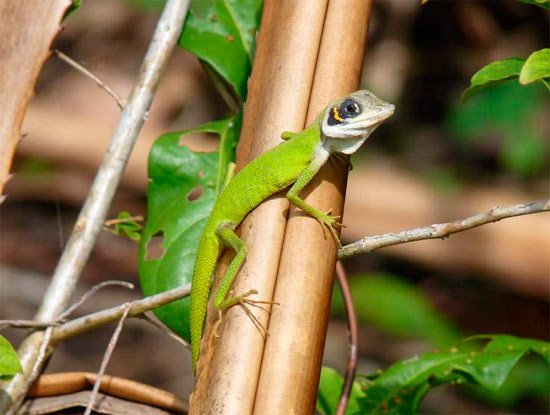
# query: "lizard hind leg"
{"points": [[224, 297]]}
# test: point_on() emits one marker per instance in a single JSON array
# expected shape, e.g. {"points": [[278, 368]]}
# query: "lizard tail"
{"points": [[205, 265]]}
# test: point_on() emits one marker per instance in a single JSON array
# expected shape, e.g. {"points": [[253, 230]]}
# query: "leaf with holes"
{"points": [[180, 196], [401, 388], [9, 361], [222, 33]]}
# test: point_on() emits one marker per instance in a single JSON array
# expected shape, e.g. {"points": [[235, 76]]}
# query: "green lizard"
{"points": [[340, 129]]}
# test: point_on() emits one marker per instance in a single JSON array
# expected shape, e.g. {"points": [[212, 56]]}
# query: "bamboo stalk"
{"points": [[294, 350], [279, 89]]}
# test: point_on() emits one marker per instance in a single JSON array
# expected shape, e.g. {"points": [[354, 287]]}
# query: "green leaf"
{"points": [[127, 226], [9, 361], [492, 74], [222, 34], [401, 388], [545, 4], [536, 67], [330, 387], [396, 306], [180, 195], [528, 381]]}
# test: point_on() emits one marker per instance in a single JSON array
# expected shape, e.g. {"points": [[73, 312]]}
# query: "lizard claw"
{"points": [[330, 223]]}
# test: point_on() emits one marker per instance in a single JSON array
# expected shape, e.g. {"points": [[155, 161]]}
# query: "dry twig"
{"points": [[165, 330], [107, 357], [120, 102], [91, 292], [440, 230]]}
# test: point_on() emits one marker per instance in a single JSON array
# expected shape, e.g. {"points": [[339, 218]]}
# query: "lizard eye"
{"points": [[350, 108]]}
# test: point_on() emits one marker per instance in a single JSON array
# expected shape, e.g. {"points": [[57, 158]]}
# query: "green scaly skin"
{"points": [[294, 162]]}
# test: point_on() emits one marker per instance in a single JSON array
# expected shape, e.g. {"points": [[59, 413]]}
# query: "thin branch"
{"points": [[440, 230], [90, 221], [106, 358], [116, 221], [32, 324], [120, 102], [165, 330], [35, 370], [353, 329], [138, 307], [27, 324], [92, 291]]}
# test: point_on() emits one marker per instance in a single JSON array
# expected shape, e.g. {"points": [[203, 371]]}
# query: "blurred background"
{"points": [[437, 160]]}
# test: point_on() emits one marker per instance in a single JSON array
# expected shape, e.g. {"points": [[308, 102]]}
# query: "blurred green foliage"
{"points": [[401, 388], [397, 306], [330, 386], [509, 112], [542, 3]]}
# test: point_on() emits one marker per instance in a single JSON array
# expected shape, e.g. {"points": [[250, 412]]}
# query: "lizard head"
{"points": [[348, 122]]}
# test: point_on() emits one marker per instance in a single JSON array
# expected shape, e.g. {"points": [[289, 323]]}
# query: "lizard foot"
{"points": [[330, 223], [245, 302]]}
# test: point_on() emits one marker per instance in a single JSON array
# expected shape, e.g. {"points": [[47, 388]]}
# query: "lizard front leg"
{"points": [[326, 219]]}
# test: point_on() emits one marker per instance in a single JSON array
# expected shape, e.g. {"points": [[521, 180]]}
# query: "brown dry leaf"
{"points": [[67, 383]]}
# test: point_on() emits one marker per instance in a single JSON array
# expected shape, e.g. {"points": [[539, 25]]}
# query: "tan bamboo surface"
{"points": [[292, 358], [279, 90], [24, 48]]}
